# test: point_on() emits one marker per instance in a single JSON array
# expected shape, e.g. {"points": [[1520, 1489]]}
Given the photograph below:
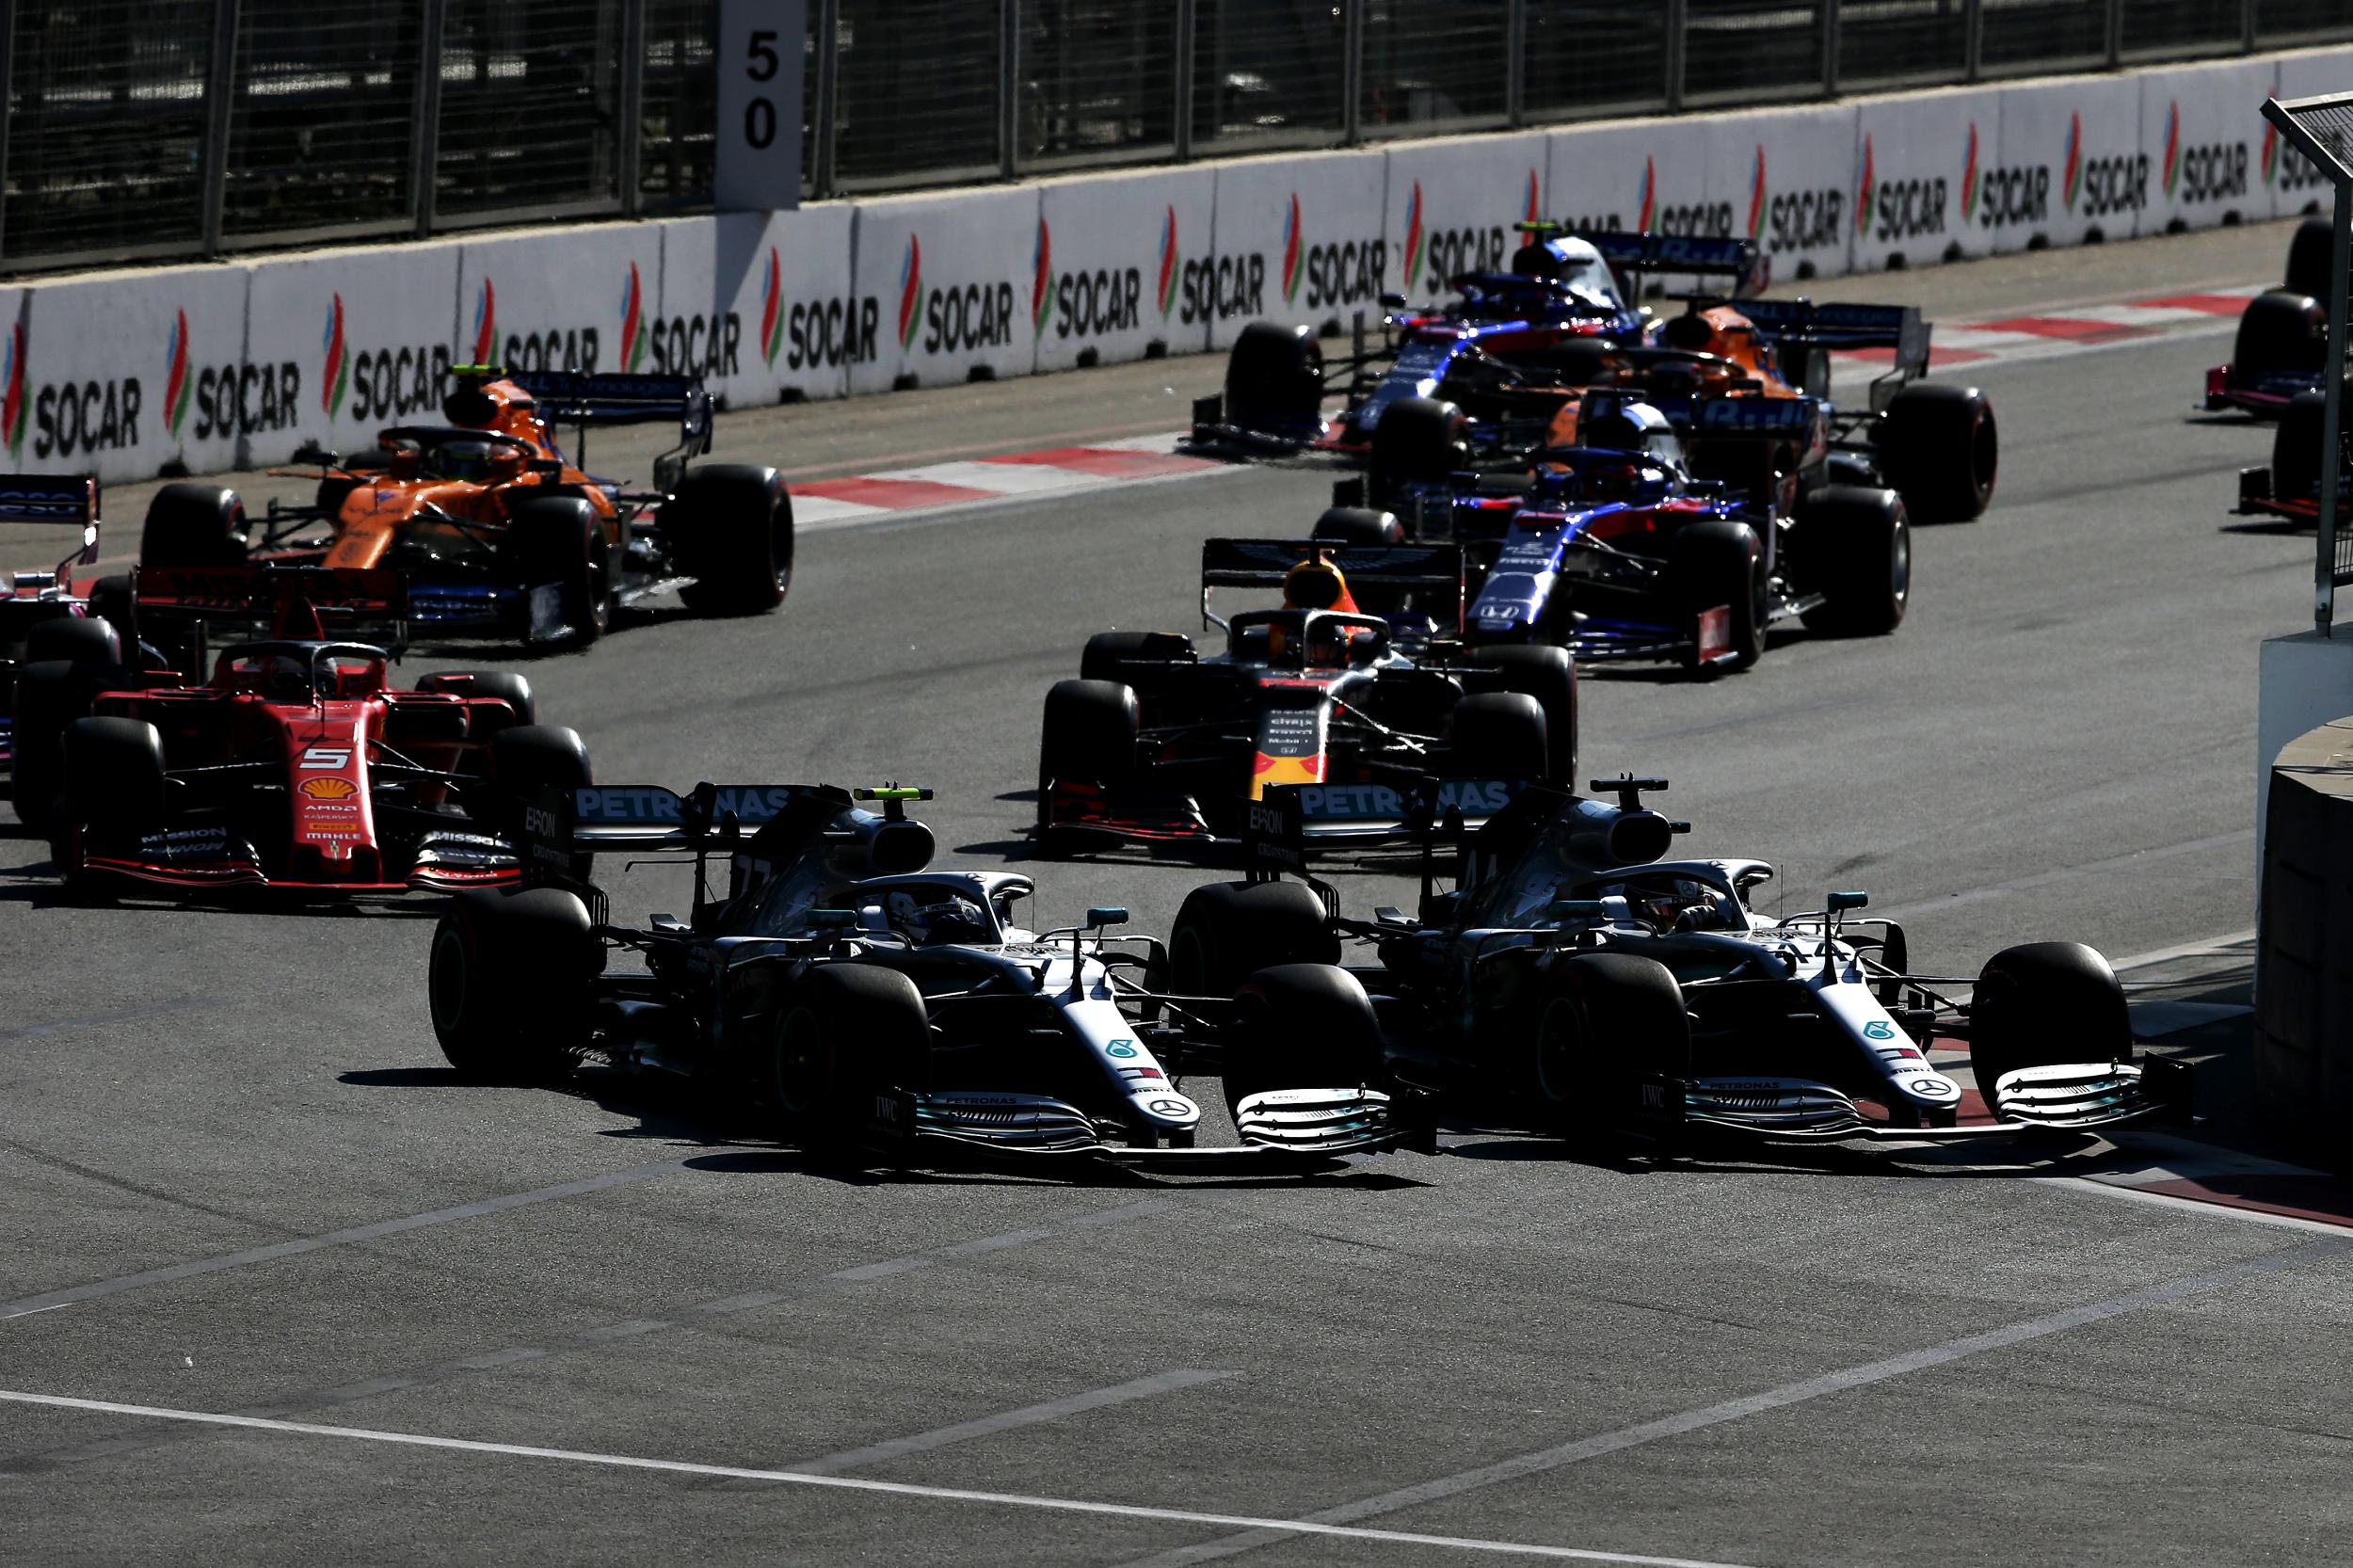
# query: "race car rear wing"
{"points": [[60, 500], [584, 398], [1435, 568], [293, 600], [1686, 255], [1801, 324]]}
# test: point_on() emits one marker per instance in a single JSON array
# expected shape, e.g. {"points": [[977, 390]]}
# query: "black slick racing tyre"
{"points": [[1115, 655], [2281, 332], [2295, 446], [844, 1034], [2310, 254], [76, 640], [1854, 546], [509, 982], [1497, 735], [1419, 440], [1549, 676], [1088, 737], [1717, 563], [1939, 447], [512, 689], [114, 776], [50, 695], [1227, 931], [1603, 1020], [560, 539], [1274, 377], [729, 526], [193, 525], [1302, 1026], [2042, 1004], [1358, 525]]}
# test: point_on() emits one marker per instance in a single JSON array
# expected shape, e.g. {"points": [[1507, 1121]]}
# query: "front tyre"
{"points": [[2045, 1005], [1603, 1021], [1302, 1026], [1939, 447], [1226, 931], [844, 1033]]}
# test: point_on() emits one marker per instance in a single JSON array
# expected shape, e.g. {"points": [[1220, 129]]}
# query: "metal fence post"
{"points": [[1830, 48], [1182, 86], [1352, 73], [631, 113], [1515, 63], [1009, 87], [220, 86], [1972, 41], [2116, 34], [1678, 14], [7, 87], [828, 92], [424, 147], [2246, 26]]}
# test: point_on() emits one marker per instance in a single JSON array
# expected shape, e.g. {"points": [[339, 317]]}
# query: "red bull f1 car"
{"points": [[290, 761], [874, 1007], [1356, 686]]}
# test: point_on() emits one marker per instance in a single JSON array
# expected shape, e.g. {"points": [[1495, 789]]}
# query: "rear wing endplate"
{"points": [[61, 500]]}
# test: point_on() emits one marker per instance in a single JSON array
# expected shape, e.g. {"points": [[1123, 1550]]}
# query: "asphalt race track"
{"points": [[488, 1325]]}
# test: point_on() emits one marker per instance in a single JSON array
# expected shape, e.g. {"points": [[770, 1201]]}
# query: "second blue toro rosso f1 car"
{"points": [[1357, 685], [498, 532], [1615, 551], [870, 1005], [1576, 980]]}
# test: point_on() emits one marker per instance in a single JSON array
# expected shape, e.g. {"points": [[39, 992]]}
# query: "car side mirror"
{"points": [[1841, 902], [312, 452], [1392, 301], [1107, 915]]}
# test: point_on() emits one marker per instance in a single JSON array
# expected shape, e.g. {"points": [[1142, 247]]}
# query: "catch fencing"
{"points": [[149, 129]]}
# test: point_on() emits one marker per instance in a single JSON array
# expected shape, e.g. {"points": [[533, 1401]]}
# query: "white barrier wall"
{"points": [[134, 373]]}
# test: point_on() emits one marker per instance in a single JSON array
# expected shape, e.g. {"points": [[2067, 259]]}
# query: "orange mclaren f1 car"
{"points": [[498, 532]]}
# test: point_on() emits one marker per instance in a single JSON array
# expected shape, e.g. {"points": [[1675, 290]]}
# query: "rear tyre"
{"points": [[730, 526], [114, 776], [1719, 563], [514, 690], [50, 695], [1939, 447], [2295, 447], [1499, 735], [76, 640], [193, 525], [560, 539], [2310, 254], [2042, 1004], [2281, 332], [1359, 526], [1855, 546], [1274, 379], [1419, 440], [1089, 737], [508, 983], [1302, 1026], [1603, 1020], [844, 1033], [1226, 931], [1549, 676]]}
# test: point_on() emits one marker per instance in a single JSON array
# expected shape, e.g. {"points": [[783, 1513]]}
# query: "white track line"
{"points": [[1005, 1420], [2163, 1293], [846, 1483]]}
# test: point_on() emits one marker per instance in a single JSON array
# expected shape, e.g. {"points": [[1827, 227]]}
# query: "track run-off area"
{"points": [[276, 1287]]}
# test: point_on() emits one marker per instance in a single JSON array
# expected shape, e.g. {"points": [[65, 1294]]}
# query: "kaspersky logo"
{"points": [[1042, 278], [485, 324], [1291, 248], [1863, 189], [336, 375], [1413, 235], [12, 404], [2173, 145], [176, 383], [1169, 269], [632, 323], [1969, 178], [2072, 174], [1648, 206], [911, 293], [1756, 197], [772, 310]]}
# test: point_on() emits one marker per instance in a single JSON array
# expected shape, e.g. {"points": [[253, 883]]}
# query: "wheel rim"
{"points": [[447, 983], [599, 590], [798, 1053], [1984, 454], [1555, 1050], [1900, 565]]}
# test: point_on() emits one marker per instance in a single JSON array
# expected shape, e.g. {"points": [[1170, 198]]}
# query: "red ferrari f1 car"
{"points": [[290, 763]]}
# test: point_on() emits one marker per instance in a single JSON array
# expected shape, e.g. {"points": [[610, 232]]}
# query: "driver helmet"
{"points": [[465, 459], [1677, 904], [949, 919], [1317, 585], [287, 679]]}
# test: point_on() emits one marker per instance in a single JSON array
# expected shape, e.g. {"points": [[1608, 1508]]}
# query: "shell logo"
{"points": [[329, 789]]}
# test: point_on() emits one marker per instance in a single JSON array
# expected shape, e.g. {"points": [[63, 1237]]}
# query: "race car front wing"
{"points": [[2075, 1097], [1283, 1129]]}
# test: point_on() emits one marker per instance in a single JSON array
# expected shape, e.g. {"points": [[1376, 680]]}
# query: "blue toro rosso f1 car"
{"points": [[1617, 552], [497, 531]]}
